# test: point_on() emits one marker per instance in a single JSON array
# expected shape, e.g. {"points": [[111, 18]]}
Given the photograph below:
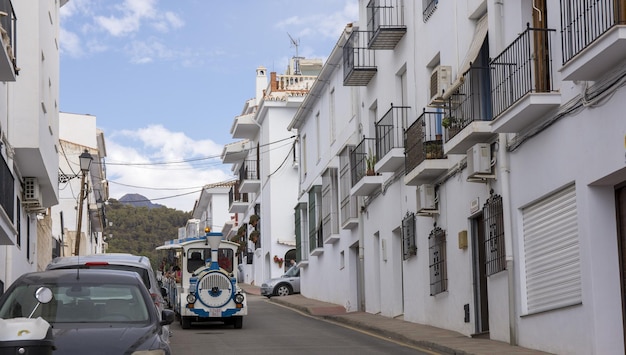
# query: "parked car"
{"points": [[285, 285], [116, 261], [98, 312]]}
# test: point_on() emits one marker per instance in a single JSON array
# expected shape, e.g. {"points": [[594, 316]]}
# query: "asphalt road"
{"points": [[272, 329]]}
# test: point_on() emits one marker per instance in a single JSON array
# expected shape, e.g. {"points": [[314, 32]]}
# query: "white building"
{"points": [[78, 135], [264, 164], [211, 208], [29, 133], [493, 210]]}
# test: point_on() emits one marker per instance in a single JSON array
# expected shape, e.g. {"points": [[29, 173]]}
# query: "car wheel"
{"points": [[185, 322], [283, 290], [238, 322]]}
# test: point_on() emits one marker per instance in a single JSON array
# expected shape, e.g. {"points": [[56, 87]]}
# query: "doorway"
{"points": [[481, 299], [620, 207]]}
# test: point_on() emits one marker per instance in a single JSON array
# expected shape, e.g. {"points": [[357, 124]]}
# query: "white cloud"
{"points": [[70, 43], [176, 184]]}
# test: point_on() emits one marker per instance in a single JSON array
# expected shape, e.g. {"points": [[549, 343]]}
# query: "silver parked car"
{"points": [[285, 285]]}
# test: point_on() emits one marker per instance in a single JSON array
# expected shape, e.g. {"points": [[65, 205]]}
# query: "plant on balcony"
{"points": [[370, 162], [278, 261], [254, 220], [447, 122], [254, 236]]}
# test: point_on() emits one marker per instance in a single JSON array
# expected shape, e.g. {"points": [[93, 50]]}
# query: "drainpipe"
{"points": [[503, 162]]}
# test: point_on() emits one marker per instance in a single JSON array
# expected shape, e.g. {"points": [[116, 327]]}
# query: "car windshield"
{"points": [[109, 266], [293, 271], [80, 303]]}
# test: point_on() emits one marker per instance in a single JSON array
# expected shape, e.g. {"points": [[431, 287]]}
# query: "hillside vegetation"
{"points": [[139, 230]]}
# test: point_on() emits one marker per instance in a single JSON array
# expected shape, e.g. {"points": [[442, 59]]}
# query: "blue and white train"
{"points": [[208, 289]]}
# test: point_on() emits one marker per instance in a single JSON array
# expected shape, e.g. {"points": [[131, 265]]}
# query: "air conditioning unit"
{"points": [[31, 193], [426, 201], [440, 80], [479, 160]]}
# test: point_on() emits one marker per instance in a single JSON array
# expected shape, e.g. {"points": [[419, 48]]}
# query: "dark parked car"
{"points": [[98, 312], [285, 285]]}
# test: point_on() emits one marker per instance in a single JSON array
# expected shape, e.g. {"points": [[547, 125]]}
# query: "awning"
{"points": [[480, 33]]}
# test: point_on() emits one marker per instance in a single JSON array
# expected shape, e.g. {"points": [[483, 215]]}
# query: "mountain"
{"points": [[137, 200]]}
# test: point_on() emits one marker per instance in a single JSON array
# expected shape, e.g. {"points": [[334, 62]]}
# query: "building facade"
{"points": [[29, 133], [449, 174]]}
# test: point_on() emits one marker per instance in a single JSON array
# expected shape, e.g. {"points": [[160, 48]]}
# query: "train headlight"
{"points": [[239, 298], [191, 298]]}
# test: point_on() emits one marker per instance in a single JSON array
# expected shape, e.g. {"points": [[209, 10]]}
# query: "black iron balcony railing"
{"points": [[584, 21], [385, 23], [235, 196], [359, 65], [429, 9], [390, 130], [8, 29], [470, 102], [249, 170], [7, 190], [361, 158], [423, 140], [525, 66]]}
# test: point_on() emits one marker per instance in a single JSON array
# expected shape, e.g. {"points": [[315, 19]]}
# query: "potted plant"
{"points": [[370, 162], [254, 236], [278, 261]]}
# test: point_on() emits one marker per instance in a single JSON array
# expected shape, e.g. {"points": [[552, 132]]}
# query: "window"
{"points": [[494, 241], [302, 244], [437, 263], [7, 189], [303, 156], [409, 246], [330, 203], [349, 207], [319, 138], [551, 250], [315, 222], [331, 115]]}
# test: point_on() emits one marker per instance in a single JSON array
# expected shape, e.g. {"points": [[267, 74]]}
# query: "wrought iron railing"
{"points": [[384, 14], [362, 157], [429, 9], [357, 55], [8, 29], [423, 140], [235, 196], [7, 190], [584, 21], [470, 102], [494, 240], [249, 170], [524, 66], [390, 130], [437, 262]]}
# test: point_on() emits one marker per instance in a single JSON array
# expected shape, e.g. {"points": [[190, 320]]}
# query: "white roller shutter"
{"points": [[551, 250]]}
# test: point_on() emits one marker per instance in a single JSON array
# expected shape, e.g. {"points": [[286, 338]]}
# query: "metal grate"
{"points": [[409, 245], [437, 263], [494, 243]]}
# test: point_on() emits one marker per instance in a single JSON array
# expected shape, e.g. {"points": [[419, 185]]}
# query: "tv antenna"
{"points": [[294, 42], [296, 60]]}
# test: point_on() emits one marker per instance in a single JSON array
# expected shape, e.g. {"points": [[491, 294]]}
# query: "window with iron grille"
{"points": [[437, 263], [494, 240], [315, 220], [409, 245], [302, 244], [330, 203], [7, 189]]}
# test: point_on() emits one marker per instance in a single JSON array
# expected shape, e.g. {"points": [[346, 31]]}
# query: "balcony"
{"points": [[390, 139], [249, 177], [236, 152], [364, 179], [522, 89], [8, 68], [359, 66], [424, 157], [385, 23], [229, 230], [245, 126], [593, 38], [468, 113], [237, 201]]}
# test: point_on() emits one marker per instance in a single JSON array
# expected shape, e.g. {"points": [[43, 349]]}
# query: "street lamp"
{"points": [[85, 164]]}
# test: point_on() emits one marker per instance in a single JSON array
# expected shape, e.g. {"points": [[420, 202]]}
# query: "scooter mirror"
{"points": [[43, 295]]}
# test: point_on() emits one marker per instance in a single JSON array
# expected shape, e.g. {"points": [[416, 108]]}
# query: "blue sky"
{"points": [[165, 79]]}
